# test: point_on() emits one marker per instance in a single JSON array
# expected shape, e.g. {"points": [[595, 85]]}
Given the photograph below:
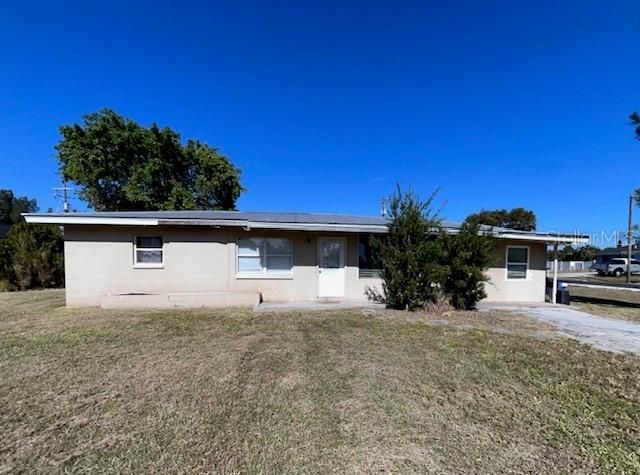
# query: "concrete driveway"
{"points": [[604, 333]]}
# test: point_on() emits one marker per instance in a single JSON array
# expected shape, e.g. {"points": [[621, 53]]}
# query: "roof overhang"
{"points": [[100, 220], [248, 224], [239, 223], [549, 238]]}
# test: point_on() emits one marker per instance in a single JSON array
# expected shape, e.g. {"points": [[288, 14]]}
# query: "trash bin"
{"points": [[562, 294]]}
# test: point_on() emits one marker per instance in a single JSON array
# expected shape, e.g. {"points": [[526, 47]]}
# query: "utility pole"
{"points": [[629, 237]]}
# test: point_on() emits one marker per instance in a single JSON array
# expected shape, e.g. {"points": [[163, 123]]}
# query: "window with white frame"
{"points": [[264, 256], [148, 251], [517, 262]]}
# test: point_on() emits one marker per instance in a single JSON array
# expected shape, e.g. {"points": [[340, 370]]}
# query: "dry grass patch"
{"points": [[610, 279], [621, 304], [233, 391]]}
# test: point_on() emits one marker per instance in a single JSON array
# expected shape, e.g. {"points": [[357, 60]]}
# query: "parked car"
{"points": [[617, 267]]}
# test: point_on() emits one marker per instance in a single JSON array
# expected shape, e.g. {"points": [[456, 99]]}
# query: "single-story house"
{"points": [[218, 258]]}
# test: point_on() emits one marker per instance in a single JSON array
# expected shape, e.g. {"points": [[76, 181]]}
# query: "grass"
{"points": [[232, 391], [621, 304], [610, 279]]}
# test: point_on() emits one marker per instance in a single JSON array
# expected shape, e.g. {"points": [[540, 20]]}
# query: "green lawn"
{"points": [[232, 391]]}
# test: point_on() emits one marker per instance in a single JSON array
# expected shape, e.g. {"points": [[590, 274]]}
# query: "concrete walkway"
{"points": [[604, 333]]}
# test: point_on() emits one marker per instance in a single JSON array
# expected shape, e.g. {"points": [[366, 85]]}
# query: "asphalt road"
{"points": [[577, 280]]}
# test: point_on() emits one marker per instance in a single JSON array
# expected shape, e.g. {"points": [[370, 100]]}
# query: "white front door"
{"points": [[331, 271]]}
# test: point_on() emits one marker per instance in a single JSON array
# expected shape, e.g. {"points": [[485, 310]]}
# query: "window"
{"points": [[517, 262], [264, 256], [366, 262], [148, 251]]}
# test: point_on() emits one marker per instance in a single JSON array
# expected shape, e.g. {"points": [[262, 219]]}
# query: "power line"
{"points": [[591, 206]]}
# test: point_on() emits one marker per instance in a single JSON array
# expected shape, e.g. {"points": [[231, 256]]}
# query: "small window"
{"points": [[148, 251], [264, 256], [517, 262], [635, 261], [367, 267], [617, 262]]}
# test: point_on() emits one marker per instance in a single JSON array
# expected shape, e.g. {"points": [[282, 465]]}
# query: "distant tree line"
{"points": [[31, 256], [570, 253], [518, 218]]}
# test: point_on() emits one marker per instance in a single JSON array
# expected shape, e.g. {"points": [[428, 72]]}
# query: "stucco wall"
{"points": [[99, 261], [531, 289]]}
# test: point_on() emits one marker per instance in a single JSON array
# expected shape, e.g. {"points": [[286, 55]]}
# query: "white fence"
{"points": [[571, 266]]}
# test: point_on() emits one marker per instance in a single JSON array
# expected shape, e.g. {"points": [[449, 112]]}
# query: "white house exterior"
{"points": [[220, 258]]}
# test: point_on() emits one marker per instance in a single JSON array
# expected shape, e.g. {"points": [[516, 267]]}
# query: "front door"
{"points": [[331, 271]]}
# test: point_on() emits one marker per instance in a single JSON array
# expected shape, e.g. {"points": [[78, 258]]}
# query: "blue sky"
{"points": [[326, 105]]}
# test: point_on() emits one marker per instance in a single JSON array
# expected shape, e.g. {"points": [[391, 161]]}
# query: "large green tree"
{"points": [[518, 218], [120, 165]]}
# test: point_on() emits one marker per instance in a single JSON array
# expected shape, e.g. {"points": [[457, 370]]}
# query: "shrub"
{"points": [[421, 265], [408, 255], [467, 254]]}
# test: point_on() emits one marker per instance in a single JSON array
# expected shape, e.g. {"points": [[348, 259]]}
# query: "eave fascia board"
{"points": [[248, 225], [548, 238], [84, 220], [114, 221], [349, 228]]}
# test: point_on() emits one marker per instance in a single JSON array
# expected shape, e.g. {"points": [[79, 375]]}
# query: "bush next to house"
{"points": [[420, 263], [467, 254], [408, 257]]}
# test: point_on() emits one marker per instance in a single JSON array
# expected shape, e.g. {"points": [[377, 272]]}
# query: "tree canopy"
{"points": [[120, 165], [518, 218], [12, 206]]}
